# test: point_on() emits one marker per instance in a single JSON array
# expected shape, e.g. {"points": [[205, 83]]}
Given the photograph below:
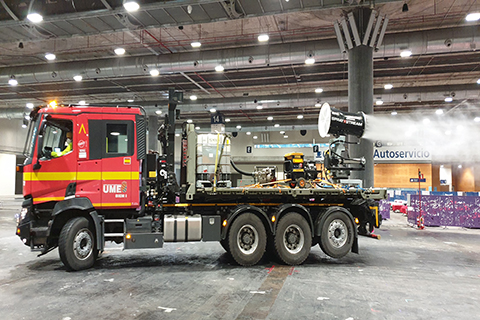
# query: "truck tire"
{"points": [[77, 245], [247, 239], [337, 234], [293, 239]]}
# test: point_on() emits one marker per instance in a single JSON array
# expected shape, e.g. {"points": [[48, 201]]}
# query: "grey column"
{"points": [[152, 133], [360, 94]]}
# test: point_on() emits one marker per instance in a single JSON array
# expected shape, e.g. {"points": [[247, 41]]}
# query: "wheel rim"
{"points": [[337, 233], [83, 244], [247, 239], [293, 239]]}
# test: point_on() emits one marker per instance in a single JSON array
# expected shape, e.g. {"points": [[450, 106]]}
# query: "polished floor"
{"points": [[408, 274]]}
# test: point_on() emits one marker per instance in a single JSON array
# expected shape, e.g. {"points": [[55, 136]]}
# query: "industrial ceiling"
{"points": [[260, 79]]}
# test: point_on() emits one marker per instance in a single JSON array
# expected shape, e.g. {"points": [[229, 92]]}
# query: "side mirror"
{"points": [[37, 165]]}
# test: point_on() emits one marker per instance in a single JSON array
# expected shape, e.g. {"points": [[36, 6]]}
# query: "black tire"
{"points": [[337, 234], [293, 239], [77, 245], [247, 239]]}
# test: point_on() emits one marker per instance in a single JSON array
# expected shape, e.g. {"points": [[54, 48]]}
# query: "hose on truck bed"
{"points": [[240, 170]]}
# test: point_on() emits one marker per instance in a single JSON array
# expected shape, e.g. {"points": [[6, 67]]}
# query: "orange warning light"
{"points": [[273, 218], [224, 223], [128, 236]]}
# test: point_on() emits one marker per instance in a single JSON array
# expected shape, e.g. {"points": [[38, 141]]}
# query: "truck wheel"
{"points": [[337, 235], [293, 239], [247, 239], [77, 245]]}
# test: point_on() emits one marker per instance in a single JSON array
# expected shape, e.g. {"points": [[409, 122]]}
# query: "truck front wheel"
{"points": [[337, 234], [247, 239], [293, 239], [76, 245]]}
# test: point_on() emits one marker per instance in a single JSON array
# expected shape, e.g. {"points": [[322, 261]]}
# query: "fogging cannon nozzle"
{"points": [[336, 122]]}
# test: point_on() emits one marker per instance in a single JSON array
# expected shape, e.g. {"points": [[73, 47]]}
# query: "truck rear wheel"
{"points": [[77, 245], [293, 239], [247, 239], [337, 234]]}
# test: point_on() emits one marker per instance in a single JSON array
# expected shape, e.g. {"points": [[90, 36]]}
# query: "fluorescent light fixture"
{"points": [[219, 68], [276, 125], [196, 44], [285, 136], [318, 104], [405, 53], [130, 100], [259, 107], [263, 37], [388, 86], [12, 81], [255, 137], [394, 113], [318, 90], [50, 56], [448, 99], [193, 97], [439, 111], [379, 102], [30, 105], [119, 51], [309, 61], [213, 110], [158, 111], [477, 119], [131, 6], [177, 134], [197, 128], [78, 78], [239, 127], [249, 133], [154, 72], [35, 17], [474, 16], [82, 102], [270, 118], [227, 120], [426, 121], [115, 133], [300, 116]]}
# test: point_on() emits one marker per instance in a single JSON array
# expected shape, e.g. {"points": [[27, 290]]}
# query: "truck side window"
{"points": [[55, 139], [117, 138]]}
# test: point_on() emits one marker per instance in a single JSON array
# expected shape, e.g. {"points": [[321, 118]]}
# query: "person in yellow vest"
{"points": [[69, 147]]}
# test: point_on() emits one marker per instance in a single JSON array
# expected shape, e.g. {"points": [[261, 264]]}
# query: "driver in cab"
{"points": [[68, 148]]}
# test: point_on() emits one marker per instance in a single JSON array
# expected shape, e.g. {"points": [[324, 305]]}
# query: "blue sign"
{"points": [[417, 180]]}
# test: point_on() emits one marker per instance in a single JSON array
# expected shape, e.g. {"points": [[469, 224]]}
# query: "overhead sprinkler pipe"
{"points": [[336, 122]]}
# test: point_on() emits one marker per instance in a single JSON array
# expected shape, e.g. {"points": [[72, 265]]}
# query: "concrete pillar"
{"points": [[360, 95], [152, 133]]}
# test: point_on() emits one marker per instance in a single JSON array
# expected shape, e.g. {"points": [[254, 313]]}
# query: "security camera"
{"points": [[145, 68], [97, 71], [250, 59], [255, 101], [20, 45], [195, 63], [180, 27], [452, 94], [448, 43], [405, 96]]}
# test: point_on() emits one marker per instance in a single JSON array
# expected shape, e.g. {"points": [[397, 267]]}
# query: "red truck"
{"points": [[108, 188]]}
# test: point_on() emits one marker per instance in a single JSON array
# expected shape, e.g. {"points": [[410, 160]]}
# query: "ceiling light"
{"points": [[30, 105], [459, 166], [130, 100], [119, 51], [50, 56], [255, 137], [478, 81], [177, 134], [158, 112], [405, 53], [78, 78], [239, 127], [300, 116], [196, 44], [213, 110], [379, 102], [477, 119], [259, 107], [249, 133], [82, 102], [270, 118], [318, 104], [310, 61], [189, 121], [219, 68], [285, 136], [426, 121], [276, 125], [197, 128], [318, 90], [115, 133], [388, 86], [394, 113], [448, 99], [12, 81], [193, 97], [131, 6], [474, 16], [439, 111], [282, 132], [35, 17], [227, 120], [263, 37], [154, 72]]}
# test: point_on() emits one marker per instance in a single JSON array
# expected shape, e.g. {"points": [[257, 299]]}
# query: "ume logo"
{"points": [[115, 188]]}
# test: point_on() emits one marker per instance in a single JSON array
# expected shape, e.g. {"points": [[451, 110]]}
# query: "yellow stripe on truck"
{"points": [[72, 176], [48, 199], [49, 176], [120, 204]]}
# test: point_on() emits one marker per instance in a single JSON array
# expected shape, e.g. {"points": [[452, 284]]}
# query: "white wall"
{"points": [[7, 174], [12, 136]]}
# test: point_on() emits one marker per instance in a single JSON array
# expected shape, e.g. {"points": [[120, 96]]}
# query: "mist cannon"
{"points": [[336, 122]]}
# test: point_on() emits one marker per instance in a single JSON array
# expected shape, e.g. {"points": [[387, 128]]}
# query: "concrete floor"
{"points": [[408, 274]]}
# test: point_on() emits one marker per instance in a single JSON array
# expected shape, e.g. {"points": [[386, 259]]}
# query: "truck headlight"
{"points": [[23, 214]]}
